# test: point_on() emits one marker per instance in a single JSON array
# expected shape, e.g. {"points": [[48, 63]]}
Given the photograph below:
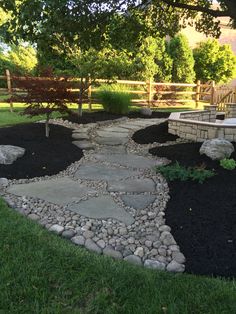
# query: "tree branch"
{"points": [[198, 8]]}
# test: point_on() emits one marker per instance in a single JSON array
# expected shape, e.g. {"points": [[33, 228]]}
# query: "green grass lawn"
{"points": [[42, 273]]}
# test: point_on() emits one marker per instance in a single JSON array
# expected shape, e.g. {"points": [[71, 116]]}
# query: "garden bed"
{"points": [[96, 116], [202, 216], [43, 156], [154, 133]]}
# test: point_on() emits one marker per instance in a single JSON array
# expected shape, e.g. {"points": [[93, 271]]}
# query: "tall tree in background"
{"points": [[152, 61], [214, 62], [183, 61]]}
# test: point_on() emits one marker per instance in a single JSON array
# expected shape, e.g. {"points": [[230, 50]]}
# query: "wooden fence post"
{"points": [[213, 84], [89, 93], [149, 91], [198, 92], [9, 88]]}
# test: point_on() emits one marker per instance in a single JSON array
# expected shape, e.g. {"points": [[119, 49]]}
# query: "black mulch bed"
{"points": [[91, 117], [154, 133], [203, 216], [43, 156]]}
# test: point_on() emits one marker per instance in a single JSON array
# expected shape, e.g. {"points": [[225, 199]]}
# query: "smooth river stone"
{"points": [[59, 191], [94, 171], [102, 207], [132, 185]]}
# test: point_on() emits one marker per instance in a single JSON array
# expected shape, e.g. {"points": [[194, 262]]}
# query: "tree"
{"points": [[183, 61], [87, 23], [45, 96], [214, 61], [152, 61]]}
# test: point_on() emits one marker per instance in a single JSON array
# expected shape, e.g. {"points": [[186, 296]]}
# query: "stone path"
{"points": [[111, 201]]}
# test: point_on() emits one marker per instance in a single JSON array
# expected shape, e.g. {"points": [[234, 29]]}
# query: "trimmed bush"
{"points": [[114, 99], [177, 172]]}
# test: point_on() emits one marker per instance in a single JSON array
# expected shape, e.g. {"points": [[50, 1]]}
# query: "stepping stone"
{"points": [[113, 141], [59, 191], [113, 150], [93, 171], [112, 134], [80, 136], [102, 207], [129, 126], [128, 160], [138, 202], [115, 129], [132, 185], [83, 145]]}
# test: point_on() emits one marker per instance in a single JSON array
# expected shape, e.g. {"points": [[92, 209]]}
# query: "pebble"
{"points": [[34, 217], [78, 240], [133, 259], [154, 264], [112, 253], [56, 229], [68, 234], [175, 267], [92, 246]]}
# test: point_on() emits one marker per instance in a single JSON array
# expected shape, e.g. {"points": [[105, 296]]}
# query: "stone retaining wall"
{"points": [[200, 125]]}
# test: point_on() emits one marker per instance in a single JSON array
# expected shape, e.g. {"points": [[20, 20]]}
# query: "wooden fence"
{"points": [[223, 95], [145, 93]]}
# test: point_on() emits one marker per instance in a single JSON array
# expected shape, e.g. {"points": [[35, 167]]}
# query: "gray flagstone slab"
{"points": [[93, 171], [128, 160], [138, 202], [132, 185], [59, 191], [112, 141], [102, 207]]}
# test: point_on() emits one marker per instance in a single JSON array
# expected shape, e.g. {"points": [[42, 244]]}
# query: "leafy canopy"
{"points": [[89, 23], [214, 61]]}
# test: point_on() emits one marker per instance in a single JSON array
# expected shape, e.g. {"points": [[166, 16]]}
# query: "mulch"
{"points": [[96, 116], [43, 156], [202, 216], [154, 133]]}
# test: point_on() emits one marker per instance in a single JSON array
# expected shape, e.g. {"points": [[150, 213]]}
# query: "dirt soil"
{"points": [[43, 156], [202, 216]]}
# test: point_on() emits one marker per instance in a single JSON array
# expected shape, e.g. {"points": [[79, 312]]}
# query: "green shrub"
{"points": [[176, 172], [229, 164], [114, 99]]}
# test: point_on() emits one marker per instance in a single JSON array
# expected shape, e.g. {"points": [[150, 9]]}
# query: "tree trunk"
{"points": [[47, 129], [80, 98]]}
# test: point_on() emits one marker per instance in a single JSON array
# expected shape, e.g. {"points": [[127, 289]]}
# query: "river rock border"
{"points": [[147, 241]]}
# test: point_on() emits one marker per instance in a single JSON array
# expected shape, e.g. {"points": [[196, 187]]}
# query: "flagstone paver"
{"points": [[59, 191], [138, 201], [102, 207], [132, 185], [94, 171], [128, 160]]}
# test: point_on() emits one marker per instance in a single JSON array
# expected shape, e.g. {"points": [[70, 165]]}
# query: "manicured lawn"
{"points": [[41, 273]]}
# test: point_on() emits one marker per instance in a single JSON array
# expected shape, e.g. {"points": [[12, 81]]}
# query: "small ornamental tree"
{"points": [[214, 61], [47, 95]]}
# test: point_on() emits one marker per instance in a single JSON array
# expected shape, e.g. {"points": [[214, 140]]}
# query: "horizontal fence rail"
{"points": [[144, 93]]}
